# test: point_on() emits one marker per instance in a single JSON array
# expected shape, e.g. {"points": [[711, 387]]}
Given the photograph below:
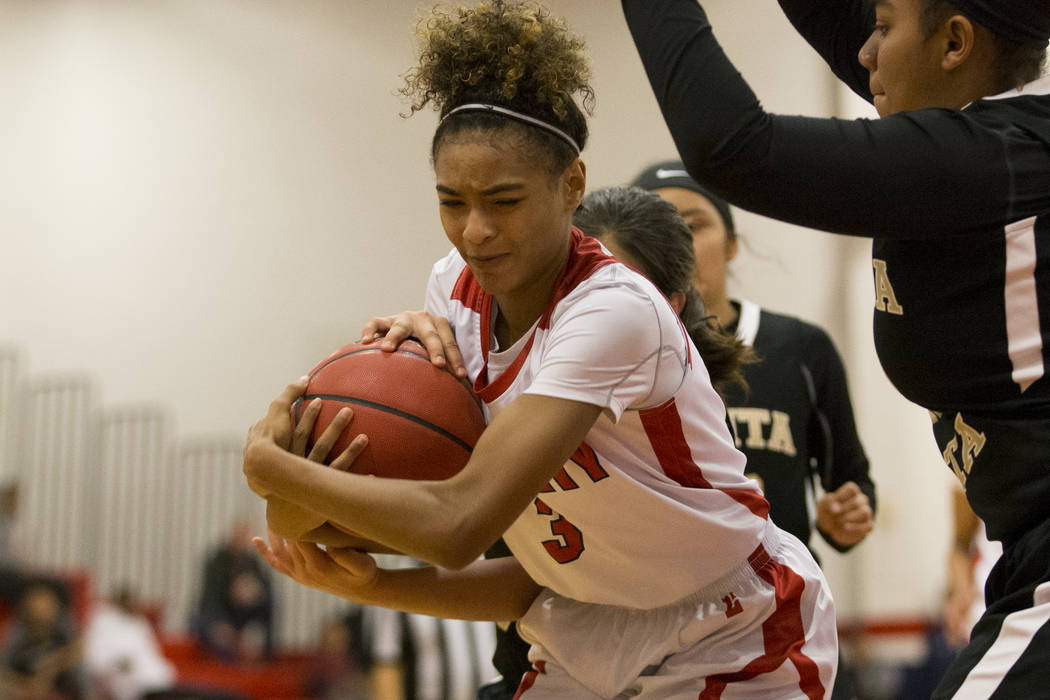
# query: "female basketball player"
{"points": [[646, 233], [953, 185], [644, 564]]}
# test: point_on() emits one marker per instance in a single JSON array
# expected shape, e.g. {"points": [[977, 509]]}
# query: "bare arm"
{"points": [[493, 589], [448, 523]]}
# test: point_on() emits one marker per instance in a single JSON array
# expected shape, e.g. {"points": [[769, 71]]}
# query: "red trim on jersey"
{"points": [[783, 634], [585, 257], [663, 426], [467, 291], [529, 679]]}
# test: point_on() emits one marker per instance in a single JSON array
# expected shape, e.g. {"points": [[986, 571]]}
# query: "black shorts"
{"points": [[1008, 656]]}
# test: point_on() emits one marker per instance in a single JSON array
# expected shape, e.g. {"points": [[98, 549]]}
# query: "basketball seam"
{"points": [[397, 351], [391, 410]]}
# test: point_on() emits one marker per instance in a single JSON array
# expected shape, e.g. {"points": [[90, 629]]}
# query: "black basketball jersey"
{"points": [[958, 205], [795, 421]]}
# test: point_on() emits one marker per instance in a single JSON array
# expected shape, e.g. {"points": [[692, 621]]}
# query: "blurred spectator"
{"points": [[12, 566], [121, 650], [41, 657], [234, 619], [333, 673], [970, 560]]}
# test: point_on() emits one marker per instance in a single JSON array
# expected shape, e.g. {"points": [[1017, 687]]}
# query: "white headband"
{"points": [[511, 114]]}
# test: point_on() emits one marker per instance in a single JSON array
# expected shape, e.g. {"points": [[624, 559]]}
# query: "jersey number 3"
{"points": [[568, 543]]}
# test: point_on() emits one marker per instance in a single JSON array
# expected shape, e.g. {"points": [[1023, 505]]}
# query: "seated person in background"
{"points": [[234, 619], [11, 566], [121, 651], [41, 655]]}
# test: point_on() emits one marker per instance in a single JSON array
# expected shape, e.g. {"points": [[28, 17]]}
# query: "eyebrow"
{"points": [[695, 212], [495, 189]]}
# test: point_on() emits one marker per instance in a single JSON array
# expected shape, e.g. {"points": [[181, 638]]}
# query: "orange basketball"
{"points": [[421, 421]]}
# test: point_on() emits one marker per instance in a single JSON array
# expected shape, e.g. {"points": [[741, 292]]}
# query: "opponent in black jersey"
{"points": [[953, 183], [794, 419]]}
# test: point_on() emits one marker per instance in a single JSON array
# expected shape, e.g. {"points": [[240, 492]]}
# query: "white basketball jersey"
{"points": [[654, 504]]}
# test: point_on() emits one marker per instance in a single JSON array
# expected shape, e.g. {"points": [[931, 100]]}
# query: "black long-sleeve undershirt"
{"points": [[932, 173]]}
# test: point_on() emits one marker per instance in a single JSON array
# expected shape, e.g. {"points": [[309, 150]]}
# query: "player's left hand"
{"points": [[274, 428], [276, 425], [845, 515], [341, 572]]}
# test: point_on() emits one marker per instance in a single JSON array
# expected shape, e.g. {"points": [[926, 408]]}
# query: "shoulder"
{"points": [[620, 296]]}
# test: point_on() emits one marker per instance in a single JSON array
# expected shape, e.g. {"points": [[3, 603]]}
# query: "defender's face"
{"points": [[508, 217], [712, 244], [904, 66]]}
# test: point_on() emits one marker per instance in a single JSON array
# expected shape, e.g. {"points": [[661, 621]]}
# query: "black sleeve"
{"points": [[844, 458], [925, 174], [836, 29]]}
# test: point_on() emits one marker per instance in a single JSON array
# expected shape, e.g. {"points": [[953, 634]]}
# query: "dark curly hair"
{"points": [[514, 55], [650, 230]]}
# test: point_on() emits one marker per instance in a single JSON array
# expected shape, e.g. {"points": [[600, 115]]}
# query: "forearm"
{"points": [[493, 590], [836, 29], [418, 518]]}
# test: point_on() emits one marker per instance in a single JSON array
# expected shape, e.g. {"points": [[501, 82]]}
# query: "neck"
{"points": [[521, 308], [722, 310]]}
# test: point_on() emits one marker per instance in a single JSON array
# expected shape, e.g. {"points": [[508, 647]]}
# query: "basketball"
{"points": [[421, 421]]}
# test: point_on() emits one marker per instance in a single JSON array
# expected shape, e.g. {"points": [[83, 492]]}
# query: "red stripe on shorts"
{"points": [[663, 426], [783, 634]]}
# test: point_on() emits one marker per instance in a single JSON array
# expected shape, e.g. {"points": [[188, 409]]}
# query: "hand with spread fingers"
{"points": [[433, 332], [287, 518]]}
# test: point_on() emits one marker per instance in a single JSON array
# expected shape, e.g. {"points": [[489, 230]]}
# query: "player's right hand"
{"points": [[434, 332]]}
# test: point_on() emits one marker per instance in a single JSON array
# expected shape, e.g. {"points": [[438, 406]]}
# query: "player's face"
{"points": [[904, 66], [509, 218], [711, 242]]}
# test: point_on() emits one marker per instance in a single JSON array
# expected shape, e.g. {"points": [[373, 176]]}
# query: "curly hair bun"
{"points": [[512, 54]]}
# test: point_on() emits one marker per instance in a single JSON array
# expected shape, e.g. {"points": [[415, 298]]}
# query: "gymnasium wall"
{"points": [[201, 198]]}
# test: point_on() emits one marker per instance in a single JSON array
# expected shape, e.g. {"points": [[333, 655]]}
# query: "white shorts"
{"points": [[766, 630]]}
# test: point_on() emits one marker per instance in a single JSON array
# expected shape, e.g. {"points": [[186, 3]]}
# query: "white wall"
{"points": [[201, 198]]}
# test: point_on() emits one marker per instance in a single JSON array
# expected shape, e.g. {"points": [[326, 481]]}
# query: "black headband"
{"points": [[516, 116], [671, 173]]}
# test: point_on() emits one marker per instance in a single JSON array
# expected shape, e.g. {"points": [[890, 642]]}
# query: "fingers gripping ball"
{"points": [[421, 421]]}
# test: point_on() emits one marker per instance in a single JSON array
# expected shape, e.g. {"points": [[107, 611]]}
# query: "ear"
{"points": [[677, 300], [957, 36], [732, 247], [574, 184]]}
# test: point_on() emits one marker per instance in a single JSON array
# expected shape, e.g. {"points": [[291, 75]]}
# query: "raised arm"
{"points": [[836, 29], [924, 174]]}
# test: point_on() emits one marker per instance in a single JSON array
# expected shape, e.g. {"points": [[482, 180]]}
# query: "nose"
{"points": [[869, 51], [478, 227]]}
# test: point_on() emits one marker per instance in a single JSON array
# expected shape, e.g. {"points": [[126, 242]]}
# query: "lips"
{"points": [[487, 259]]}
